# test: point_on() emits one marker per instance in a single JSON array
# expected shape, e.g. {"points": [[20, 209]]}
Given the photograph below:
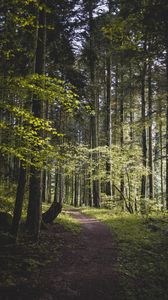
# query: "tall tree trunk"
{"points": [[56, 186], [94, 118], [72, 188], [76, 191], [131, 103], [161, 158], [122, 131], [167, 125], [144, 146], [44, 186], [35, 186], [61, 185], [48, 189], [84, 197], [161, 166], [108, 124], [150, 152]]}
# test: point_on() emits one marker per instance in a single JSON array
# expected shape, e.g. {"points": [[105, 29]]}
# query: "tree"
{"points": [[35, 191]]}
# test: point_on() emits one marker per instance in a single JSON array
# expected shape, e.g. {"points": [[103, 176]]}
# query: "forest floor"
{"points": [[82, 263], [64, 265]]}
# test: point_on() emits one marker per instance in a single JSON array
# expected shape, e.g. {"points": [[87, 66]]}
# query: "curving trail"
{"points": [[88, 272], [72, 266]]}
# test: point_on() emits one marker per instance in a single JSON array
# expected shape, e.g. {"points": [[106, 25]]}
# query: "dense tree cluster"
{"points": [[84, 105]]}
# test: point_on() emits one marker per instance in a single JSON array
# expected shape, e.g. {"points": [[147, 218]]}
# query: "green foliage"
{"points": [[7, 197], [53, 90], [125, 161], [76, 158], [27, 137], [124, 33]]}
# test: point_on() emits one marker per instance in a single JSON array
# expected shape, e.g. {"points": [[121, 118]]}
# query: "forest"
{"points": [[83, 143]]}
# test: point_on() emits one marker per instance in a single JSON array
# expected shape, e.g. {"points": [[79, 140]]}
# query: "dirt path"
{"points": [[70, 266], [88, 271]]}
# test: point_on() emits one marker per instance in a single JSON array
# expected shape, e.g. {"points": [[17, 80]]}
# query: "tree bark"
{"points": [[161, 162], [122, 131], [144, 145], [56, 186], [167, 125], [108, 124], [94, 118], [76, 191], [19, 201], [50, 215], [150, 152], [35, 187]]}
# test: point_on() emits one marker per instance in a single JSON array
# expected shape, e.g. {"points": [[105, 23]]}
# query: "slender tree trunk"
{"points": [[150, 152], [94, 118], [72, 189], [132, 197], [56, 186], [131, 102], [76, 191], [44, 186], [144, 146], [122, 131], [167, 127], [48, 189], [80, 190], [108, 125], [61, 186], [84, 200], [161, 164], [116, 105]]}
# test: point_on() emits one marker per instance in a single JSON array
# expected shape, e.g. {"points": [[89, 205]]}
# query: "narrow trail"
{"points": [[71, 266], [88, 271]]}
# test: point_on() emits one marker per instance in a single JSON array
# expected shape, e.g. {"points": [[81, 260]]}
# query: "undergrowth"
{"points": [[7, 198]]}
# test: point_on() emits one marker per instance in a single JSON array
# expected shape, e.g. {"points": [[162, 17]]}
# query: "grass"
{"points": [[68, 222], [142, 252], [65, 219]]}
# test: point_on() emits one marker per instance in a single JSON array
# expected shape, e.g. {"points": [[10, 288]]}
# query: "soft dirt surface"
{"points": [[93, 270], [86, 269]]}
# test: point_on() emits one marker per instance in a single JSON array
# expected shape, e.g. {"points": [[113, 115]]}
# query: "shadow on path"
{"points": [[92, 273], [74, 266]]}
